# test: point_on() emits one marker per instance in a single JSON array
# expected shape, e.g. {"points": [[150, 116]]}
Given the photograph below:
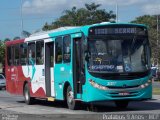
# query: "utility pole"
{"points": [[21, 19], [157, 39], [116, 11]]}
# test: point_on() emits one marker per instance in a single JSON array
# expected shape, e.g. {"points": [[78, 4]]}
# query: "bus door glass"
{"points": [[78, 65], [49, 71]]}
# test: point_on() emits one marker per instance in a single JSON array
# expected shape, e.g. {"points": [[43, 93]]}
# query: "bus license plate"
{"points": [[124, 93]]}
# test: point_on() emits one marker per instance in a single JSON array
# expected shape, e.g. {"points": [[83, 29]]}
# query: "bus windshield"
{"points": [[118, 54]]}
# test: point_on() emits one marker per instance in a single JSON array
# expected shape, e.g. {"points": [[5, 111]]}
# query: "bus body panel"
{"points": [[36, 79], [62, 73], [14, 75]]}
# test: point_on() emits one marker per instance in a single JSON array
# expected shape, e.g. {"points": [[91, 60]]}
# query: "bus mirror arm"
{"points": [[150, 50]]}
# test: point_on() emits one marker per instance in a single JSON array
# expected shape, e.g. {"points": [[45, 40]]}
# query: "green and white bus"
{"points": [[93, 63]]}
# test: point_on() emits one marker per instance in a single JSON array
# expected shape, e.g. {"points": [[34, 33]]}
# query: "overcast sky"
{"points": [[36, 12]]}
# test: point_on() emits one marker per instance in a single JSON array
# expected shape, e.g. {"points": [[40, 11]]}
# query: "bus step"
{"points": [[50, 99]]}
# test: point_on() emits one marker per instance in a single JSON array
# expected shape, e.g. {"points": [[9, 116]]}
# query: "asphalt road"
{"points": [[13, 108]]}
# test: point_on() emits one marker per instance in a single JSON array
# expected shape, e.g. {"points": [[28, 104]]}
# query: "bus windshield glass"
{"points": [[118, 54]]}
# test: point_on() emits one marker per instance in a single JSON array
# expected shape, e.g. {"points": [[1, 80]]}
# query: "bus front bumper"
{"points": [[131, 94]]}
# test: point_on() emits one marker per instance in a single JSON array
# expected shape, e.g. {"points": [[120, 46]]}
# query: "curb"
{"points": [[156, 97]]}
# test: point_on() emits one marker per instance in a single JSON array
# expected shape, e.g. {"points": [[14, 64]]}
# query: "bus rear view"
{"points": [[118, 63]]}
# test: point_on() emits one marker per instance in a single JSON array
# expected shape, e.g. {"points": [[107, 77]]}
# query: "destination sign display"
{"points": [[117, 30]]}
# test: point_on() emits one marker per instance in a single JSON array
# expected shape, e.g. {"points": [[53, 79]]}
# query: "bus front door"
{"points": [[78, 66], [49, 71]]}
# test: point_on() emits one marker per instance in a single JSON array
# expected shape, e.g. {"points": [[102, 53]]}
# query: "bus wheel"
{"points": [[27, 97], [72, 104], [122, 104]]}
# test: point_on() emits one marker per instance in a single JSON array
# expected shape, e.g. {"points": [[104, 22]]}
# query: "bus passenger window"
{"points": [[40, 52], [66, 49], [23, 54], [31, 53], [16, 55], [9, 57], [59, 50]]}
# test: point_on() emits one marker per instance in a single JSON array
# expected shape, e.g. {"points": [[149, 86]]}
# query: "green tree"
{"points": [[90, 14], [46, 26], [16, 38], [25, 33], [2, 52], [150, 21], [6, 39]]}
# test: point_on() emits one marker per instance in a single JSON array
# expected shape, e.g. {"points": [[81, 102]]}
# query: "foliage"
{"points": [[2, 52], [90, 14], [16, 38], [151, 22], [6, 39], [26, 34]]}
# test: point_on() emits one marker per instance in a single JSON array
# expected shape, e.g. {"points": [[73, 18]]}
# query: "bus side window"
{"points": [[12, 55], [23, 54], [9, 57], [40, 52], [16, 55], [31, 53], [66, 49], [59, 50]]}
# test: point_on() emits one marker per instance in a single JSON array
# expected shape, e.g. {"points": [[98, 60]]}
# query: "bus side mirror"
{"points": [[86, 53], [87, 56]]}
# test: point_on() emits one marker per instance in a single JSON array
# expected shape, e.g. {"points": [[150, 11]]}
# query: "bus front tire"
{"points": [[121, 104], [71, 103], [28, 99]]}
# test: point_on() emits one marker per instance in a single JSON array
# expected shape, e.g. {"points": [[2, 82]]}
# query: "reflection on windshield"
{"points": [[125, 55]]}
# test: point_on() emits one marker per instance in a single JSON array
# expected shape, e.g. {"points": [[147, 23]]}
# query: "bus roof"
{"points": [[114, 23], [54, 30], [12, 42], [66, 30], [72, 29], [58, 31]]}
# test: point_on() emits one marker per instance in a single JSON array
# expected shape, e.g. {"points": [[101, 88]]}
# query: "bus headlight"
{"points": [[96, 85], [146, 84], [142, 86]]}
